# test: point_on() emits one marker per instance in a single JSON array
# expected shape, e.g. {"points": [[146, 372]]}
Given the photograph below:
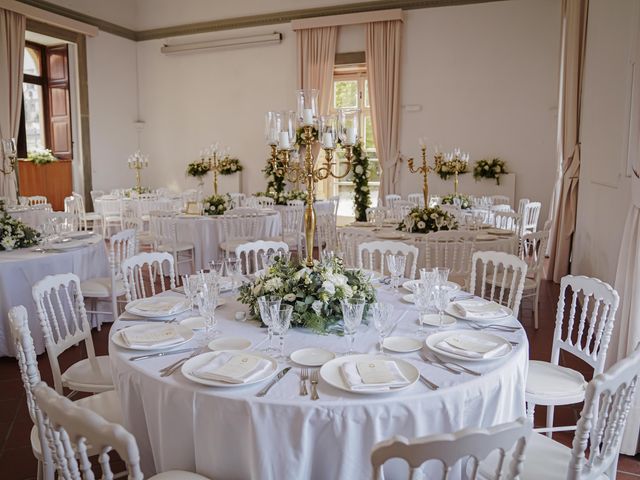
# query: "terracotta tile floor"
{"points": [[17, 461]]}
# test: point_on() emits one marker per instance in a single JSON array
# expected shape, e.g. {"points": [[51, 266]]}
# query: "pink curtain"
{"points": [[382, 48], [565, 197], [12, 26], [316, 59]]}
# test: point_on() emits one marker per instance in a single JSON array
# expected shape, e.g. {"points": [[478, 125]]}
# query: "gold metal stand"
{"points": [[214, 168], [424, 170]]}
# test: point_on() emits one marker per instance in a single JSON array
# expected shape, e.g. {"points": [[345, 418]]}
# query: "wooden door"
{"points": [[59, 102]]}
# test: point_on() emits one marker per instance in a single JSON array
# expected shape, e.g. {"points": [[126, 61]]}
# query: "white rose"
{"points": [[233, 167], [317, 306], [329, 287], [340, 280], [273, 284], [359, 169], [290, 297], [421, 224], [348, 291]]}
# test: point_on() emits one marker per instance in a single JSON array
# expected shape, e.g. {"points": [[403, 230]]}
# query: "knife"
{"points": [[282, 373], [161, 354]]}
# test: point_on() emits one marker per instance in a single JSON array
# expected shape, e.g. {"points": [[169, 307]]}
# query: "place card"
{"points": [[374, 371]]}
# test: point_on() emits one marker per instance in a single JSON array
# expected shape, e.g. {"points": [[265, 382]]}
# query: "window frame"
{"points": [[42, 81]]}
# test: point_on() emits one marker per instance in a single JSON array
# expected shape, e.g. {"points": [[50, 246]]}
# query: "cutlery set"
{"points": [[313, 378], [266, 389]]}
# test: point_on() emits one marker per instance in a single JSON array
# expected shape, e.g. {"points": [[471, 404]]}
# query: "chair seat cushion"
{"points": [[552, 382], [178, 247], [178, 475], [85, 377], [100, 287]]}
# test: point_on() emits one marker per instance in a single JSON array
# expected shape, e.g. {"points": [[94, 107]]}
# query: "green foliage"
{"points": [[361, 193], [283, 197], [490, 169], [425, 220], [216, 204], [445, 170], [275, 182], [198, 169], [41, 156], [229, 166], [14, 233], [465, 201]]}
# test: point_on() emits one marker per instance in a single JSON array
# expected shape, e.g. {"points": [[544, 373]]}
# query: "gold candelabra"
{"points": [[10, 153], [456, 163], [424, 170], [214, 168], [137, 162]]}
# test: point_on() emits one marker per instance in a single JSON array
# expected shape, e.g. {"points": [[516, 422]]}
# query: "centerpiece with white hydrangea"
{"points": [[216, 204], [314, 293], [491, 169], [425, 220], [14, 233], [457, 198]]}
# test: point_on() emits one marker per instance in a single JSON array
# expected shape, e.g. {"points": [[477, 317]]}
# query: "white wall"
{"points": [[112, 109], [120, 12], [485, 77], [604, 191]]}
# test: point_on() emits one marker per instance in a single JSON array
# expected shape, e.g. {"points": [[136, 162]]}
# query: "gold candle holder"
{"points": [[214, 168], [137, 162], [424, 171]]}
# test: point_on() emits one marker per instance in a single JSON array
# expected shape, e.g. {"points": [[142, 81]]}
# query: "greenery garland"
{"points": [[198, 169], [275, 182], [360, 172], [490, 169]]}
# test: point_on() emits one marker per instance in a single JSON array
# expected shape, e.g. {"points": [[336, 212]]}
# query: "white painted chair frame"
{"points": [[417, 198], [250, 254], [451, 249], [503, 273], [151, 263], [532, 250], [163, 229], [372, 256], [238, 229], [530, 216]]}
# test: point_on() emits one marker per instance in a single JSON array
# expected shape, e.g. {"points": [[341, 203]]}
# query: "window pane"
{"points": [[345, 94], [366, 94], [369, 143], [32, 61], [33, 116]]}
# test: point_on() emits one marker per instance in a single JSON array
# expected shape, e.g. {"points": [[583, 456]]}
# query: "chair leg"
{"points": [[550, 409], [536, 308], [531, 411], [96, 315]]}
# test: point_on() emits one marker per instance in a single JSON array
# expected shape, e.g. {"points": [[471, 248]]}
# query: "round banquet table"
{"points": [[21, 268], [31, 216], [229, 433], [206, 234]]}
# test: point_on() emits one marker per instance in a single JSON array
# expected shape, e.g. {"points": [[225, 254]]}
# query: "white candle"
{"points": [[307, 116], [273, 136], [327, 140], [284, 140], [421, 141], [351, 136]]}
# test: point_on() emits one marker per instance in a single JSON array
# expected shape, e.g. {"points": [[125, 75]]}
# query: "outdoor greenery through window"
{"points": [[350, 90], [32, 88]]}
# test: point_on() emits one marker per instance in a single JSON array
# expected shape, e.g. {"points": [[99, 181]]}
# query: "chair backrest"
{"points": [[95, 194], [237, 199], [447, 450], [142, 271], [250, 254], [335, 200], [323, 206], [240, 228], [37, 200], [162, 226], [122, 245], [501, 200], [372, 256], [327, 232], [349, 239], [450, 249], [74, 433], [501, 207], [110, 206], [530, 216], [295, 203], [264, 202], [587, 337], [521, 204], [402, 208], [63, 318], [608, 399], [390, 199], [532, 250], [505, 273], [417, 198], [507, 221], [452, 210], [292, 219]]}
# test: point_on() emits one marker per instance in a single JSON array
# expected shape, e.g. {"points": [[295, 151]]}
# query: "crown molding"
{"points": [[246, 21]]}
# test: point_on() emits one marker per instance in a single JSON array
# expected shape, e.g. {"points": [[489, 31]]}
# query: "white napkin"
{"points": [[153, 336], [233, 368], [354, 381], [472, 346], [477, 308], [161, 305]]}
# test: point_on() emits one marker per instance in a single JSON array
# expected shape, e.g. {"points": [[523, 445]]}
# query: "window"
{"points": [[32, 91], [351, 90]]}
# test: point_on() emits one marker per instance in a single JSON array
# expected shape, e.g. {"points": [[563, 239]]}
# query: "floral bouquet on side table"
{"points": [[216, 204], [41, 156], [14, 233], [314, 293], [465, 201], [425, 220], [490, 169]]}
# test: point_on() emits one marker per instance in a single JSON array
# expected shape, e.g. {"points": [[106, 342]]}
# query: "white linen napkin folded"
{"points": [[477, 309], [390, 376], [233, 368], [165, 305], [154, 335], [472, 346]]}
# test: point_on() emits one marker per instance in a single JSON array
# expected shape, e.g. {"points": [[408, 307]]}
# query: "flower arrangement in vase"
{"points": [[463, 201], [14, 233], [426, 220]]}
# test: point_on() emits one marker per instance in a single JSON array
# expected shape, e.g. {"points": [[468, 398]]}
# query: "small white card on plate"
{"points": [[375, 371]]}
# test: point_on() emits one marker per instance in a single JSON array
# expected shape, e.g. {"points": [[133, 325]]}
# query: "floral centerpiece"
{"points": [[281, 198], [444, 169], [314, 293], [41, 156], [425, 220], [14, 233], [490, 169], [229, 166], [465, 201], [134, 191], [198, 169], [216, 204], [361, 193]]}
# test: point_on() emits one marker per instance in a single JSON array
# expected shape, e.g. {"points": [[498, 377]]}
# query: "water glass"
{"points": [[439, 222], [352, 311], [442, 275], [442, 296], [423, 300], [280, 322], [207, 303], [396, 263], [265, 303], [217, 268], [381, 315], [234, 266], [190, 289]]}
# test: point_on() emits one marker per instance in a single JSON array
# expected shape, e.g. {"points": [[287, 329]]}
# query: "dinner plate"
{"points": [[506, 313], [194, 323], [79, 235], [411, 285], [186, 332], [69, 244], [229, 343], [391, 235], [433, 320], [434, 339], [402, 344], [202, 359], [312, 357], [499, 231], [330, 373], [361, 224], [132, 307]]}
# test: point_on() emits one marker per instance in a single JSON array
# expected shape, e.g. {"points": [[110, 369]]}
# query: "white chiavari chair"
{"points": [[530, 217], [521, 204], [501, 200], [264, 202], [238, 229], [508, 221], [532, 250], [60, 306], [144, 275], [372, 256], [335, 201], [122, 245], [73, 433], [401, 208], [106, 404], [586, 337], [237, 199], [452, 210], [327, 231], [72, 208], [131, 221], [292, 227], [86, 217], [467, 448], [295, 203], [37, 200], [95, 194], [417, 198], [349, 239], [451, 249], [250, 254], [162, 226], [500, 208], [390, 199], [111, 211], [503, 273]]}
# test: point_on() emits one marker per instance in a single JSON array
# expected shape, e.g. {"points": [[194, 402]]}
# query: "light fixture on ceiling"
{"points": [[235, 42]]}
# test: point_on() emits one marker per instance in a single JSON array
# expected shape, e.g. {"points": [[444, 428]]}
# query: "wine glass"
{"points": [[396, 263], [217, 268], [207, 303], [190, 286], [409, 223], [265, 303], [280, 322], [381, 314], [352, 311], [233, 270], [442, 295], [439, 222], [442, 275]]}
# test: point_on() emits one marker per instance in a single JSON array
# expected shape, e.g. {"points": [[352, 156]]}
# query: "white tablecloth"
{"points": [[31, 216], [231, 434], [205, 233], [20, 269]]}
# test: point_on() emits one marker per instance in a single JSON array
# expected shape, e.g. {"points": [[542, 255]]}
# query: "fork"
{"points": [[168, 370], [497, 328], [314, 385], [304, 376]]}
